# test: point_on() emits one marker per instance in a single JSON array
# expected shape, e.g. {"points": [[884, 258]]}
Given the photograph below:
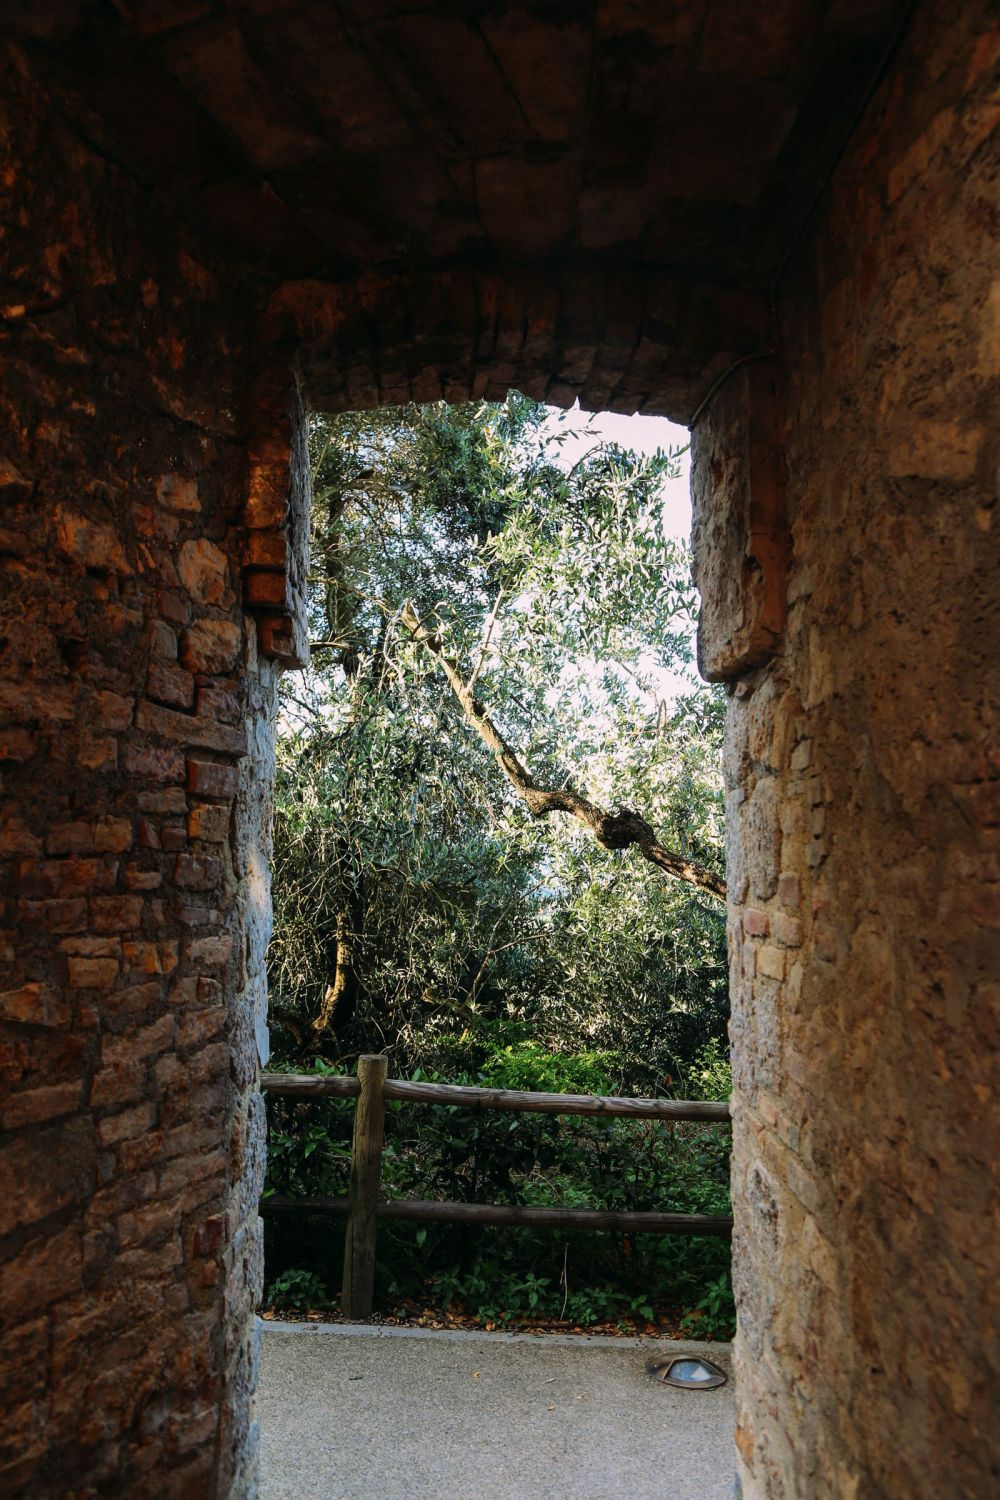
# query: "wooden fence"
{"points": [[364, 1207]]}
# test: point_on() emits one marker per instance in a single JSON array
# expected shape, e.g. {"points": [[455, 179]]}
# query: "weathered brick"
{"points": [[155, 762], [771, 961], [34, 1005], [34, 1106], [126, 1124], [16, 744], [170, 684], [191, 729], [204, 572], [92, 973], [90, 543], [210, 779], [66, 877], [69, 915], [44, 1270], [168, 800], [162, 641], [173, 608], [16, 837], [87, 945], [113, 835], [209, 821], [148, 834], [178, 492], [70, 838], [200, 1026], [151, 957], [113, 710], [217, 703], [96, 752], [756, 923], [787, 930], [115, 913], [198, 872], [209, 952], [27, 1193], [210, 646]]}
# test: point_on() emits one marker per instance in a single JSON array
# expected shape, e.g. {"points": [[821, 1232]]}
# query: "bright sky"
{"points": [[644, 435]]}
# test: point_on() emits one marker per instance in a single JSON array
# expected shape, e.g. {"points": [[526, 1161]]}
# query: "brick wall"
{"points": [[134, 824], [864, 854]]}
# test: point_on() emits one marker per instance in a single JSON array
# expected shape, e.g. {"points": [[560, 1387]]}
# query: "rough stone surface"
{"points": [[136, 738], [864, 807]]}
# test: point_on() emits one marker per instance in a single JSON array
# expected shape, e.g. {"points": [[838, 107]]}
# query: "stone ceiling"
{"points": [[317, 138]]}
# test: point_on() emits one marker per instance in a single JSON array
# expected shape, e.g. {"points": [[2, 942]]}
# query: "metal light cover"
{"points": [[688, 1372]]}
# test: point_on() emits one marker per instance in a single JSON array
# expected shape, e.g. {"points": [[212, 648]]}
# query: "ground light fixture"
{"points": [[687, 1373]]}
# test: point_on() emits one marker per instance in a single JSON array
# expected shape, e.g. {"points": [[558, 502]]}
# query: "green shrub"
{"points": [[501, 1274]]}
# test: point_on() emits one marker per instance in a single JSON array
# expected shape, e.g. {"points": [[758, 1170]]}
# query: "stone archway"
{"points": [[170, 287]]}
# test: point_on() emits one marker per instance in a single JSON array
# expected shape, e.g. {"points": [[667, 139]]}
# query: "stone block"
{"points": [[162, 641], [217, 703], [44, 1172], [739, 538], [171, 685], [34, 1005], [204, 572], [209, 821], [191, 729], [69, 915], [210, 646], [179, 493], [756, 923], [92, 973], [154, 763], [35, 1106], [209, 952], [44, 1270], [210, 779], [115, 913], [90, 543], [198, 872]]}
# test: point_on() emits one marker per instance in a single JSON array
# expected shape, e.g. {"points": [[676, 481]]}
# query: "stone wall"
{"points": [[134, 826], [864, 807]]}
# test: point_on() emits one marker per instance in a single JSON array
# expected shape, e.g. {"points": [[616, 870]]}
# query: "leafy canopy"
{"points": [[408, 875]]}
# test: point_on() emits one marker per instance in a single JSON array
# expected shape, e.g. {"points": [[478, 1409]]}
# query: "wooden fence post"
{"points": [[366, 1173]]}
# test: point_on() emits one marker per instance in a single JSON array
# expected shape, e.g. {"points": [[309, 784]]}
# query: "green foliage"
{"points": [[562, 591], [714, 1315], [459, 935], [297, 1289], [710, 1073], [527, 1065]]}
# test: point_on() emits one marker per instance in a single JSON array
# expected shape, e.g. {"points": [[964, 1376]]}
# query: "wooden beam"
{"points": [[310, 1085], [612, 1106], [421, 1211]]}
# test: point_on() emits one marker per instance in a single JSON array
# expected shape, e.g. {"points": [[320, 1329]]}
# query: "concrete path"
{"points": [[383, 1414]]}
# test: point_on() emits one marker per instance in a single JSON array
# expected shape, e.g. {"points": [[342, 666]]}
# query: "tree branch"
{"points": [[618, 830]]}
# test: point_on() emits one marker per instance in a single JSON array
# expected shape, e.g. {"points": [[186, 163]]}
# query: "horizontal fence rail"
{"points": [[435, 1211], [612, 1106], [364, 1208]]}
